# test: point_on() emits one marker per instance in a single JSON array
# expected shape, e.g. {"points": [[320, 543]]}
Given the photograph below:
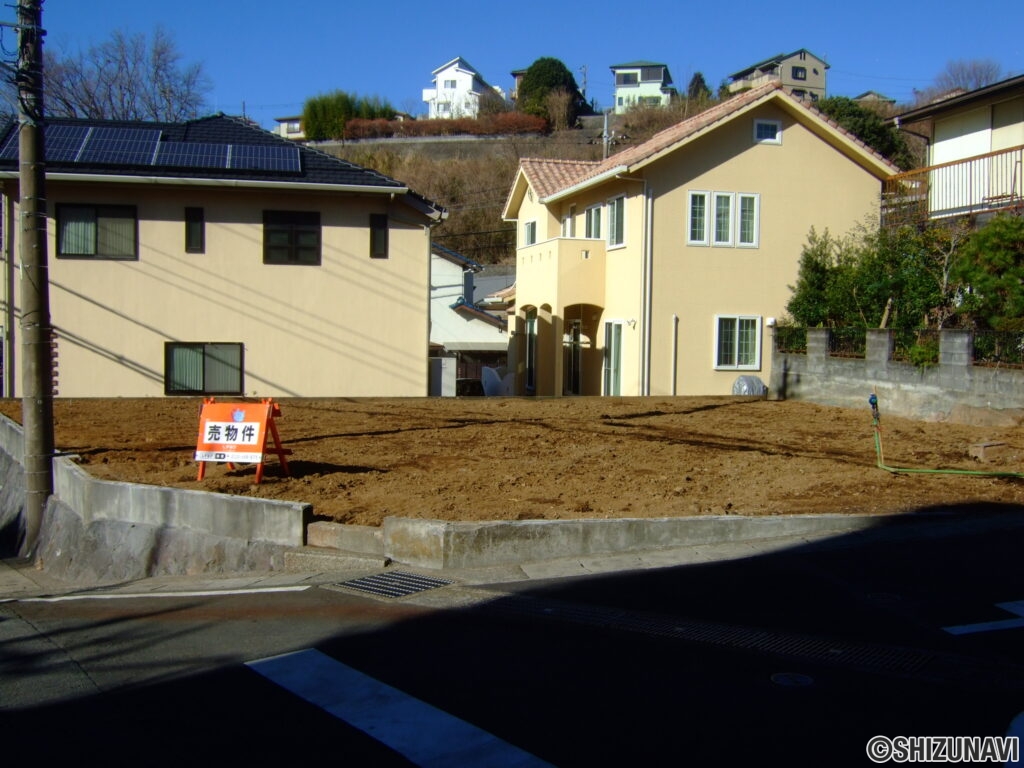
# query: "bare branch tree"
{"points": [[960, 75], [127, 77]]}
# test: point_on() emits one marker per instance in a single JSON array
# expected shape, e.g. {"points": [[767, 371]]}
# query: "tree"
{"points": [[325, 116], [545, 75], [868, 126], [698, 89], [128, 77], [992, 265], [960, 75], [968, 74], [904, 278]]}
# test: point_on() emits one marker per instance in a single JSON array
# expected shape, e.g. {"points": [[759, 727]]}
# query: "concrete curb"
{"points": [[443, 545]]}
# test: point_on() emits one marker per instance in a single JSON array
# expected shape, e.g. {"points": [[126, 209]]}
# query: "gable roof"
{"points": [[553, 179], [777, 59], [200, 140], [1009, 87]]}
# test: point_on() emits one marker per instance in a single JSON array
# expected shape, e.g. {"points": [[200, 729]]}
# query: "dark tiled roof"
{"points": [[316, 167]]}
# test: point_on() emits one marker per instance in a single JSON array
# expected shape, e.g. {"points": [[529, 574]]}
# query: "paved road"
{"points": [[795, 657]]}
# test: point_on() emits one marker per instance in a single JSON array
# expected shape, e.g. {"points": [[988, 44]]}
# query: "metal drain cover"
{"points": [[394, 584]]}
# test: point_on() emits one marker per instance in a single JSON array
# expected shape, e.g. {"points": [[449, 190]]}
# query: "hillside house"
{"points": [[800, 73], [642, 84], [212, 257], [457, 91], [661, 270]]}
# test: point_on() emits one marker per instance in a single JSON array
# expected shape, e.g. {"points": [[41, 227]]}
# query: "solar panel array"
{"points": [[109, 145]]}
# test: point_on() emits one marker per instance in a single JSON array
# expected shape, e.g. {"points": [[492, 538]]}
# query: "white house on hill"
{"points": [[457, 90]]}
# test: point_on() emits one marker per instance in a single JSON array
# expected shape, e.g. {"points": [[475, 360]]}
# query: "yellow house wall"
{"points": [[353, 326], [803, 182]]}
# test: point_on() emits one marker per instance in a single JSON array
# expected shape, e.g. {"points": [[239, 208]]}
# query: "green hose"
{"points": [[873, 400]]}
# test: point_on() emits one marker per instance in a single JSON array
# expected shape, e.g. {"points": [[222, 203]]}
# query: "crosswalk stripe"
{"points": [[421, 732]]}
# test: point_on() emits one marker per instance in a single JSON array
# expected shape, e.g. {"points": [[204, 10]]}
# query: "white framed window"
{"points": [[593, 221], [530, 233], [450, 85], [569, 223], [767, 131], [617, 221], [748, 220], [738, 342], [697, 218], [723, 218]]}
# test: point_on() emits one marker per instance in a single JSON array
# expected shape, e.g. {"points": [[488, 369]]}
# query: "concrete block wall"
{"points": [[902, 388], [103, 530]]}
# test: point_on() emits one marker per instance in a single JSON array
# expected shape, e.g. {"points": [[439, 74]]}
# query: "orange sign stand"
{"points": [[236, 433]]}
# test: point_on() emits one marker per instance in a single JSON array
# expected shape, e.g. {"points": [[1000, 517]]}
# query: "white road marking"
{"points": [[1015, 607], [136, 595], [421, 732]]}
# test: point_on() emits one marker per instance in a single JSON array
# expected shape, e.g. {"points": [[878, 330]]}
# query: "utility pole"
{"points": [[36, 334]]}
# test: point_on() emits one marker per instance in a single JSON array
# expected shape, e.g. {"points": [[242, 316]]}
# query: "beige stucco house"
{"points": [[660, 270], [213, 257], [800, 73]]}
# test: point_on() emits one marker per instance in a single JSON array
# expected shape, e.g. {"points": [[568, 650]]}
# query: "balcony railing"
{"points": [[985, 183]]}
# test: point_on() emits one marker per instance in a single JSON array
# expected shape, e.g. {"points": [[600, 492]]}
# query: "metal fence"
{"points": [[999, 348], [847, 342]]}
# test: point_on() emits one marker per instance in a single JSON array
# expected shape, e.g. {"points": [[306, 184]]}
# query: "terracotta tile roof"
{"points": [[680, 131], [549, 176]]}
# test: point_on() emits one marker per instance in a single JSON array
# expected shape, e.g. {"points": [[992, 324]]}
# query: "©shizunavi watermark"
{"points": [[944, 749]]}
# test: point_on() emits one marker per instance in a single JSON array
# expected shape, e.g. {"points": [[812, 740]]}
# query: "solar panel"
{"points": [[120, 146], [9, 151], [64, 142], [187, 154], [264, 157]]}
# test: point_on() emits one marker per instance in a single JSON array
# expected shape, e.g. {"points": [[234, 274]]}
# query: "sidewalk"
{"points": [[20, 580]]}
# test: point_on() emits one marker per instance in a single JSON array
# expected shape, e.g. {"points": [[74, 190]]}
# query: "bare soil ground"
{"points": [[358, 461]]}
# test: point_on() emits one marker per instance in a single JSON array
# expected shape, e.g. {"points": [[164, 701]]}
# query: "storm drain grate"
{"points": [[394, 584]]}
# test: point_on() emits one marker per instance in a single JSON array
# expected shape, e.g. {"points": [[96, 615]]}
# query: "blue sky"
{"points": [[271, 56]]}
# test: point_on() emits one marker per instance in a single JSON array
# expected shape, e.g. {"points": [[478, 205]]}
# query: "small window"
{"points": [[291, 237], [530, 233], [767, 132], [738, 342], [799, 73], [195, 230], [616, 221], [378, 235], [569, 223], [627, 78], [201, 368], [97, 232], [593, 221], [450, 85], [697, 225]]}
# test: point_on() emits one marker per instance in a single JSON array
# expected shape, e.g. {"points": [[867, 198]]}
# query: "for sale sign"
{"points": [[233, 432]]}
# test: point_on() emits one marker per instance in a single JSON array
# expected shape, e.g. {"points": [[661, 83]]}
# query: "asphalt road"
{"points": [[796, 657]]}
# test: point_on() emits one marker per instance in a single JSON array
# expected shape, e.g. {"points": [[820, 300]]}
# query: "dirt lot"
{"points": [[358, 461]]}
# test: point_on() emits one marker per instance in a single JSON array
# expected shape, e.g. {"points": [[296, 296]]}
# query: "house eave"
{"points": [[182, 181]]}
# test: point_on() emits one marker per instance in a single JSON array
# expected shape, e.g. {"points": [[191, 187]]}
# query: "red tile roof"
{"points": [[550, 177]]}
